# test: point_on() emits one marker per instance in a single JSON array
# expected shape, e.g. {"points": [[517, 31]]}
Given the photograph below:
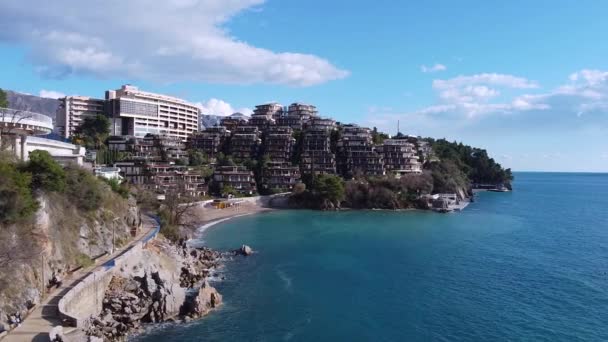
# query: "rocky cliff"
{"points": [[164, 282], [38, 253]]}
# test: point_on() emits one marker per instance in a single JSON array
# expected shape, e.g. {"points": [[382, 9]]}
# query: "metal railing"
{"points": [[16, 117]]}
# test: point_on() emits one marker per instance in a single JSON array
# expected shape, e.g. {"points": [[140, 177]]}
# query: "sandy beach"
{"points": [[204, 217]]}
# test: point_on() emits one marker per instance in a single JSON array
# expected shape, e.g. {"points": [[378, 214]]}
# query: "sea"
{"points": [[527, 265]]}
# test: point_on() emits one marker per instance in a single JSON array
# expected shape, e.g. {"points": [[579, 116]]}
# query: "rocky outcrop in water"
{"points": [[169, 283]]}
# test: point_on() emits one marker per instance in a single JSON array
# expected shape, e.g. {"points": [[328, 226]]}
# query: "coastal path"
{"points": [[37, 325]]}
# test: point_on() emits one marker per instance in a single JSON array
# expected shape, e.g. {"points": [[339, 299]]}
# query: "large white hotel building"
{"points": [[136, 113]]}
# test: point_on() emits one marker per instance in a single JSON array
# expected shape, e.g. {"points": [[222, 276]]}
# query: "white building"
{"points": [[72, 111], [18, 130], [108, 173], [136, 113]]}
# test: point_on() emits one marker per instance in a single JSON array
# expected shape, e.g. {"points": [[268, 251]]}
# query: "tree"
{"points": [[197, 158], [378, 137], [3, 99], [46, 173], [175, 209], [83, 188], [93, 131], [329, 188], [16, 200]]}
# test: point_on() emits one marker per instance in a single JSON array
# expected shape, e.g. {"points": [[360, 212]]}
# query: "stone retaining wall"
{"points": [[86, 298]]}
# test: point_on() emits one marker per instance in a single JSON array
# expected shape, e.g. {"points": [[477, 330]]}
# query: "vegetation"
{"points": [[3, 99], [378, 137], [388, 192], [46, 174], [474, 163], [93, 132], [323, 192], [83, 260], [118, 187], [16, 200], [197, 158]]}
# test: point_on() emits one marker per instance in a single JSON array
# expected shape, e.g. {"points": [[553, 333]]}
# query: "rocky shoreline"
{"points": [[154, 290]]}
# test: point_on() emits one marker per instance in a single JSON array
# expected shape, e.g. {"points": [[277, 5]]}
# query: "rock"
{"points": [[56, 334], [208, 298], [244, 250], [174, 300]]}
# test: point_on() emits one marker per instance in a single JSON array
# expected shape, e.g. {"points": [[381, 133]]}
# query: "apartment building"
{"points": [[233, 121], [166, 178], [269, 109], [137, 113], [357, 153], [210, 141], [317, 157], [298, 114], [73, 110], [245, 142], [236, 177], [280, 177], [400, 157], [279, 143]]}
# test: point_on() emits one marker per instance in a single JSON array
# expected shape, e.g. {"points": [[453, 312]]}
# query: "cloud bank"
{"points": [[164, 41], [51, 94], [220, 107]]}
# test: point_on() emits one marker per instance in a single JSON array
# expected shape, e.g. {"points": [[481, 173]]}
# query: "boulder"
{"points": [[207, 299], [244, 250]]}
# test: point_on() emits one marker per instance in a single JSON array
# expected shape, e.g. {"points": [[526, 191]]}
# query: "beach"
{"points": [[205, 216]]}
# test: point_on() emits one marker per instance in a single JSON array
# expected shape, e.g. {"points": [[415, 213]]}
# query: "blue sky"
{"points": [[527, 80]]}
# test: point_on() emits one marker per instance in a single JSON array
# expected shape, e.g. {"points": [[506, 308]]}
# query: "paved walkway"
{"points": [[38, 323]]}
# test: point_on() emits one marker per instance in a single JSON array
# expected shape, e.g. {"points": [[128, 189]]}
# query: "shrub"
{"points": [[16, 200], [83, 260], [120, 188], [168, 230], [47, 174], [83, 188]]}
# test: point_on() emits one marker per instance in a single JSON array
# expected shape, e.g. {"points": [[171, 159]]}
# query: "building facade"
{"points": [[73, 110], [400, 157], [357, 153], [137, 113], [235, 177]]}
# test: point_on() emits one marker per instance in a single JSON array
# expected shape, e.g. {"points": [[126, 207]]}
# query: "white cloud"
{"points": [[170, 41], [435, 68], [497, 100], [220, 107], [472, 95], [51, 94]]}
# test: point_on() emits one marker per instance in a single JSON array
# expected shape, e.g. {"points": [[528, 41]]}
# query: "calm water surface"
{"points": [[527, 265]]}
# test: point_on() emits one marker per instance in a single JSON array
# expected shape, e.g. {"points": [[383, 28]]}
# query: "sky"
{"points": [[526, 80]]}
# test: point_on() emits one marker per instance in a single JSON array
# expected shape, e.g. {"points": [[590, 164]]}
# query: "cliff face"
{"points": [[158, 283], [60, 238]]}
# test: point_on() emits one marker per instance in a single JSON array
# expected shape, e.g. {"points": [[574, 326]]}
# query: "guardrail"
{"points": [[99, 279], [14, 116]]}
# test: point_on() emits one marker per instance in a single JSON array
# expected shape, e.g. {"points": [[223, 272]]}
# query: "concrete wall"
{"points": [[86, 298], [60, 151]]}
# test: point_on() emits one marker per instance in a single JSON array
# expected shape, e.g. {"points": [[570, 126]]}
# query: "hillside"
{"points": [[53, 221], [32, 103]]}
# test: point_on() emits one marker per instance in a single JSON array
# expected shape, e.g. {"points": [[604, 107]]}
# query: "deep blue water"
{"points": [[528, 265]]}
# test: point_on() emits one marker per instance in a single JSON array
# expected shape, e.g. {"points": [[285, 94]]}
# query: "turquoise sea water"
{"points": [[531, 265]]}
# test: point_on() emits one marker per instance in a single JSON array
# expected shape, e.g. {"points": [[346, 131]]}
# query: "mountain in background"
{"points": [[33, 103], [208, 120]]}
